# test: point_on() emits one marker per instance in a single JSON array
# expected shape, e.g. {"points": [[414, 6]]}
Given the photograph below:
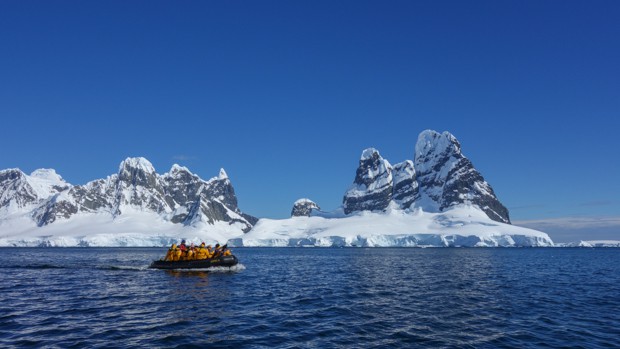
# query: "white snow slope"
{"points": [[135, 229], [463, 225], [591, 243]]}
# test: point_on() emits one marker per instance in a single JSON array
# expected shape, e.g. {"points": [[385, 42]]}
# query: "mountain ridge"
{"points": [[177, 196], [433, 199]]}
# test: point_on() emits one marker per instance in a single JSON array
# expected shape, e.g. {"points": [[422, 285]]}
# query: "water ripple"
{"points": [[314, 298]]}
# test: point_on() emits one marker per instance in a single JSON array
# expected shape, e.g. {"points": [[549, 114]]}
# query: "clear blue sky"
{"points": [[285, 95]]}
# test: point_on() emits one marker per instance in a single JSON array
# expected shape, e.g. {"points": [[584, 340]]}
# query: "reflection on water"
{"points": [[202, 274]]}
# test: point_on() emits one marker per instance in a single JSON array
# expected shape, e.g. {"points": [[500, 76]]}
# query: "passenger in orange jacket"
{"points": [[170, 255], [202, 252], [191, 253]]}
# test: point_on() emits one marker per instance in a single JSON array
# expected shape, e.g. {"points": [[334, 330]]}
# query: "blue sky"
{"points": [[285, 95]]}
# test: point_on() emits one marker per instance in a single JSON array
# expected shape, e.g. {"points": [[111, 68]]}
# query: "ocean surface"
{"points": [[313, 298]]}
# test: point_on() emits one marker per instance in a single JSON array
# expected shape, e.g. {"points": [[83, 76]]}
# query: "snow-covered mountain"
{"points": [[41, 208], [19, 191], [447, 178], [303, 207], [440, 177], [437, 199], [373, 184]]}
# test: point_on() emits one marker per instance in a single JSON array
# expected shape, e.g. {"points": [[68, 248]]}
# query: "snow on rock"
{"points": [[438, 199], [590, 243], [372, 187], [461, 225], [405, 188], [32, 208], [304, 207], [223, 175], [447, 178], [135, 229], [21, 192], [440, 177]]}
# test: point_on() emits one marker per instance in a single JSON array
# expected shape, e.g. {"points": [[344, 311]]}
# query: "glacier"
{"points": [[590, 243], [459, 226], [133, 229]]}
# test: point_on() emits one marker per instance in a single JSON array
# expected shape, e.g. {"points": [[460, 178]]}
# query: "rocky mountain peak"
{"points": [[178, 196], [11, 174], [223, 175], [176, 168], [47, 174], [372, 187], [20, 190], [434, 148], [303, 207], [137, 171], [439, 177], [447, 178]]}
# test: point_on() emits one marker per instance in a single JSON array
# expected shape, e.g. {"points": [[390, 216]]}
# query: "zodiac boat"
{"points": [[220, 261]]}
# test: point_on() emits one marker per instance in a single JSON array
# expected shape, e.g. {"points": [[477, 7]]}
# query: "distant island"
{"points": [[438, 199]]}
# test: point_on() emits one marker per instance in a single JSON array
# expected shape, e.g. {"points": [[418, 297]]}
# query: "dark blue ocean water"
{"points": [[313, 298]]}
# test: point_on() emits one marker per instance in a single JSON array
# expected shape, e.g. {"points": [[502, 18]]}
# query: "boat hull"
{"points": [[223, 261]]}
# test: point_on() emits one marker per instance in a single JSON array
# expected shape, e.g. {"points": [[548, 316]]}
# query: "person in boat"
{"points": [[202, 252], [224, 251], [177, 254], [183, 249], [191, 252], [221, 251], [171, 254], [210, 251], [217, 251]]}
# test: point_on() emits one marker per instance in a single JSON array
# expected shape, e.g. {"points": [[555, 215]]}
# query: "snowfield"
{"points": [[461, 226], [137, 229], [591, 243]]}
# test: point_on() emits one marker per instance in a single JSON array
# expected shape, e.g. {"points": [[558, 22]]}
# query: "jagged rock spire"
{"points": [[372, 187], [447, 178], [440, 177]]}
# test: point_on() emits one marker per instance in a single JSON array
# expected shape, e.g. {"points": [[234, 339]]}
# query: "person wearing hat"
{"points": [[201, 252], [183, 249], [191, 252]]}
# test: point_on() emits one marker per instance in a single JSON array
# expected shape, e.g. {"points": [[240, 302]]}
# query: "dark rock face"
{"points": [[96, 195], [138, 185], [303, 207], [221, 189], [440, 177], [20, 190], [372, 187], [181, 186], [52, 210], [14, 187], [178, 196], [405, 191], [137, 172], [447, 178]]}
